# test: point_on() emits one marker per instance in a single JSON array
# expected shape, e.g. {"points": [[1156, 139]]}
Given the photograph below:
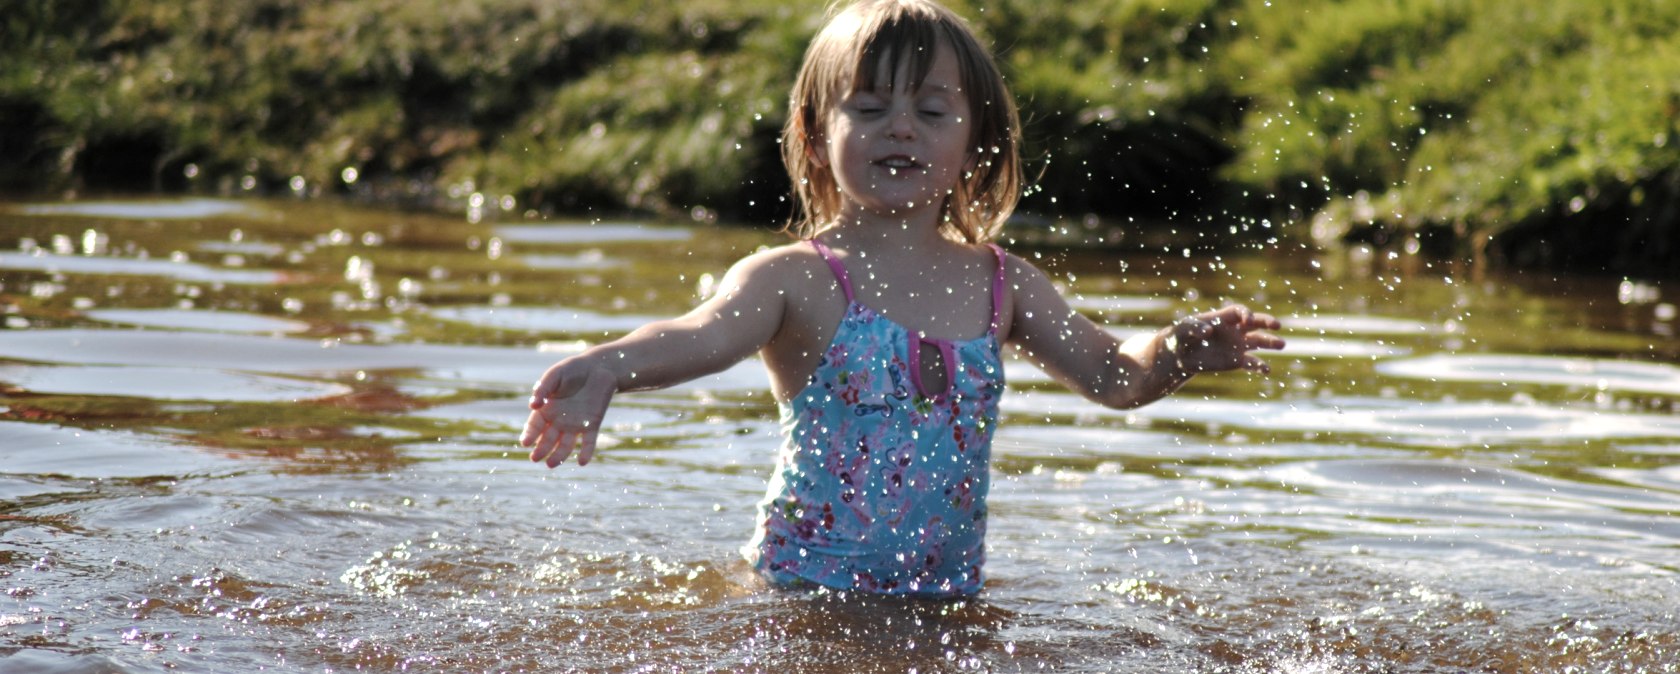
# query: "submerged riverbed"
{"points": [[273, 435]]}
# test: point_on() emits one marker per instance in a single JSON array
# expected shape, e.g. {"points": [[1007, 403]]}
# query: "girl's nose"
{"points": [[901, 126]]}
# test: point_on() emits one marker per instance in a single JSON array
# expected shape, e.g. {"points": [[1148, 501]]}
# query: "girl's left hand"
{"points": [[567, 406], [1223, 340]]}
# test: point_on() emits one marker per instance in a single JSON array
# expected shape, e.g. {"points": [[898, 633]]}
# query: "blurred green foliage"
{"points": [[1542, 133]]}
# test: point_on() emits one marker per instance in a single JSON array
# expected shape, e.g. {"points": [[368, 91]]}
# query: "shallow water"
{"points": [[248, 435]]}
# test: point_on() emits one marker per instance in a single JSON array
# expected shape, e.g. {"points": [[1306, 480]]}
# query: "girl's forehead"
{"points": [[909, 67]]}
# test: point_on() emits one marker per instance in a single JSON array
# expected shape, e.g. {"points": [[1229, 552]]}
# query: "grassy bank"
{"points": [[1540, 134]]}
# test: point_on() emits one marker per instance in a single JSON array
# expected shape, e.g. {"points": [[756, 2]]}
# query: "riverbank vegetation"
{"points": [[1535, 133]]}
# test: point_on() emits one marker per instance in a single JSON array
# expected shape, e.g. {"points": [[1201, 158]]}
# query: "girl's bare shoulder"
{"points": [[1019, 269], [790, 267]]}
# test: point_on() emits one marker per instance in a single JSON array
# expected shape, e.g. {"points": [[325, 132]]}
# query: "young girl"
{"points": [[882, 328]]}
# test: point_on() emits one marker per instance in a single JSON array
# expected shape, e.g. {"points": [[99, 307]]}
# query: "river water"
{"points": [[247, 435]]}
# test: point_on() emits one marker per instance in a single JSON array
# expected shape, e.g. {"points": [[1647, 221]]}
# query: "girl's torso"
{"points": [[950, 298], [881, 482]]}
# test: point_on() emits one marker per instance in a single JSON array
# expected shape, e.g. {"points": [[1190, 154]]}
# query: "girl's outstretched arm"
{"points": [[569, 400], [1093, 363]]}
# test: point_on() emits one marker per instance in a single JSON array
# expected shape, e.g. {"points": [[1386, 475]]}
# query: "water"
{"points": [[246, 436]]}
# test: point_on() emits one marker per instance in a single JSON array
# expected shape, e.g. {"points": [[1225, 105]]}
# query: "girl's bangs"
{"points": [[899, 41]]}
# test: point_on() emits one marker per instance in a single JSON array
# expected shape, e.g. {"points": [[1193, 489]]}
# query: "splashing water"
{"points": [[311, 467]]}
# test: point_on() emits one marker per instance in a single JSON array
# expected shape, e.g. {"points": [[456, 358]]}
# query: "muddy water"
{"points": [[247, 435]]}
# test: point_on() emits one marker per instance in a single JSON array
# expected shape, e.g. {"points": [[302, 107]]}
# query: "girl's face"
{"points": [[897, 152]]}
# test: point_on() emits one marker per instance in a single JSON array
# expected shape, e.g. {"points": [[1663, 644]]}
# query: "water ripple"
{"points": [[1441, 423], [198, 319], [103, 265], [183, 209], [164, 383], [1599, 374], [592, 234]]}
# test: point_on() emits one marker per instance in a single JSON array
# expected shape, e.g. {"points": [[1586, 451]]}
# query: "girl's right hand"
{"points": [[567, 405], [1221, 340]]}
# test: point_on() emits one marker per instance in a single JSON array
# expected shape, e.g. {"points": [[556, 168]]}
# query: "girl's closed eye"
{"points": [[868, 104], [935, 106]]}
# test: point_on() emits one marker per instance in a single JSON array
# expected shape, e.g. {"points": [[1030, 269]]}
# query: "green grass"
{"points": [[1524, 131], [1532, 128]]}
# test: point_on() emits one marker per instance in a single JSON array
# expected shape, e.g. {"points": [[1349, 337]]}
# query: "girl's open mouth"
{"points": [[898, 162]]}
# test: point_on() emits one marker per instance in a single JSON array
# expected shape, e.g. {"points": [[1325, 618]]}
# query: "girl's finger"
{"points": [[534, 426], [550, 441], [562, 449], [586, 447], [1245, 317], [539, 448]]}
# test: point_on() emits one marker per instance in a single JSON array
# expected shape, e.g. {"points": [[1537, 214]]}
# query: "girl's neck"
{"points": [[883, 234]]}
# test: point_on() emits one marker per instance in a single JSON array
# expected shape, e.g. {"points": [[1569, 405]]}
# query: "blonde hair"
{"points": [[844, 57]]}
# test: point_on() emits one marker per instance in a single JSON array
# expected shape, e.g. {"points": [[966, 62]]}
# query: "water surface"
{"points": [[246, 435]]}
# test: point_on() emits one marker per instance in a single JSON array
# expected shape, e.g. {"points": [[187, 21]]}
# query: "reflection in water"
{"points": [[160, 209], [574, 234], [44, 457], [255, 248], [163, 383], [1120, 304], [1447, 424], [1360, 325], [589, 260], [183, 271], [325, 477], [198, 319], [544, 319], [1327, 347], [1595, 374]]}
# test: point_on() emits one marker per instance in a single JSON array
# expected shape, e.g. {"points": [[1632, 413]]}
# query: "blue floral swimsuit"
{"points": [[881, 485]]}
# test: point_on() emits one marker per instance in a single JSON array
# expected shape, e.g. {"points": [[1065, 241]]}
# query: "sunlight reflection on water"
{"points": [[163, 383], [574, 234], [544, 319], [1445, 424], [1601, 374], [322, 475], [172, 209], [184, 271], [198, 319]]}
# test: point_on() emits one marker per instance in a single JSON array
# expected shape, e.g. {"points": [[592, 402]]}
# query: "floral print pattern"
{"points": [[878, 487]]}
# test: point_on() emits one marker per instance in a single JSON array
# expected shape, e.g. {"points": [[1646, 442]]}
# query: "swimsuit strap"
{"points": [[840, 270], [997, 285], [946, 348], [947, 356]]}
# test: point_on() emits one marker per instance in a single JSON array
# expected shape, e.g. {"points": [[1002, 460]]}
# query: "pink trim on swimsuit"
{"points": [[917, 339], [878, 486]]}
